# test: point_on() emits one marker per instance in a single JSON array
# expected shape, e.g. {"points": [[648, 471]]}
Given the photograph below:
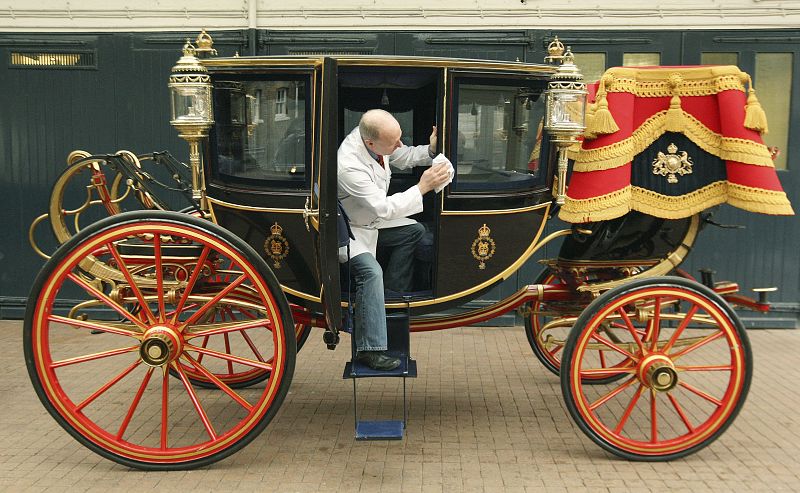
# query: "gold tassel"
{"points": [[602, 121], [589, 121], [674, 121], [754, 116]]}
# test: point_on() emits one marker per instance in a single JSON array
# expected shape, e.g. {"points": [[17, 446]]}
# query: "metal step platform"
{"points": [[397, 324]]}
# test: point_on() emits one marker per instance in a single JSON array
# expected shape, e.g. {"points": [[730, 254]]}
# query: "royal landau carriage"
{"points": [[165, 340]]}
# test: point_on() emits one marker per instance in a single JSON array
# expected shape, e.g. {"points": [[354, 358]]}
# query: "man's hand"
{"points": [[432, 140], [433, 177]]}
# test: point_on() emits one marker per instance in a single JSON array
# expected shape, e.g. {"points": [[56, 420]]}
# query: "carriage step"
{"points": [[407, 369], [380, 430]]}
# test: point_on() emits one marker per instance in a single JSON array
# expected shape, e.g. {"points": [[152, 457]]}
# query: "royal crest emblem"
{"points": [[276, 245], [674, 163], [483, 247]]}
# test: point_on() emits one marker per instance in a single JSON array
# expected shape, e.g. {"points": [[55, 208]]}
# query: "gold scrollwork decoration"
{"points": [[276, 245], [674, 163], [483, 247]]}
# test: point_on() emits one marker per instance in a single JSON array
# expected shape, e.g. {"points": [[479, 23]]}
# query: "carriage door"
{"points": [[322, 202]]}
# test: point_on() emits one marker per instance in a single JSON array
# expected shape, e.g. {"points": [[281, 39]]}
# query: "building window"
{"points": [[281, 105]]}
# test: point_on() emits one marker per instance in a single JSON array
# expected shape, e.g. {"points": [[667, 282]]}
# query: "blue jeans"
{"points": [[370, 309]]}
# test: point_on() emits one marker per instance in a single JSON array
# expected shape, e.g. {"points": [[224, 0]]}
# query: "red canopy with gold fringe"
{"points": [[629, 159]]}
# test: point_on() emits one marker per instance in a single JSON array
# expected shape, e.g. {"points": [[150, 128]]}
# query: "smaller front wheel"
{"points": [[686, 374]]}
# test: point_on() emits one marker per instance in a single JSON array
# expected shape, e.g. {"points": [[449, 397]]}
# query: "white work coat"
{"points": [[363, 187]]}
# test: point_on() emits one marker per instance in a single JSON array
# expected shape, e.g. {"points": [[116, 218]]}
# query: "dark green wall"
{"points": [[122, 103]]}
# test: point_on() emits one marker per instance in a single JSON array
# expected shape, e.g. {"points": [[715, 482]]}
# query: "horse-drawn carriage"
{"points": [[164, 339]]}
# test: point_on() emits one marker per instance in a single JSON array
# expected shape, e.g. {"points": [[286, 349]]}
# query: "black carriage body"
{"points": [[272, 156]]}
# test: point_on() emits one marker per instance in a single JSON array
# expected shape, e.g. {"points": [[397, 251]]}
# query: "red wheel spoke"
{"points": [[599, 402], [193, 396], [702, 342], [108, 385], [680, 412], [230, 357], [655, 325], [556, 349], [700, 393], [631, 328], [198, 268], [203, 345], [228, 350], [85, 324], [629, 410], [613, 346], [105, 299], [135, 403], [159, 266], [164, 408], [602, 356], [607, 372], [252, 345], [219, 383], [653, 418], [680, 329], [202, 331], [213, 301], [134, 287], [247, 313], [91, 357], [705, 368]]}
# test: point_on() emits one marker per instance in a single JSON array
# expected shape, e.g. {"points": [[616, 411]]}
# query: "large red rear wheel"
{"points": [[100, 352], [687, 372]]}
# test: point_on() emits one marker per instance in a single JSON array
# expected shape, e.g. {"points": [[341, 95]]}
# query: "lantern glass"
{"points": [[566, 110], [191, 103]]}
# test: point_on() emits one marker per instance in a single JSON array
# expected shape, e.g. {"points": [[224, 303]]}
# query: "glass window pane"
{"points": [[592, 65], [773, 80], [713, 58], [498, 137], [641, 59], [260, 129]]}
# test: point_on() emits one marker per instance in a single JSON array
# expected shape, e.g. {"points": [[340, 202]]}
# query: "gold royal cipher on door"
{"points": [[276, 245], [483, 247]]}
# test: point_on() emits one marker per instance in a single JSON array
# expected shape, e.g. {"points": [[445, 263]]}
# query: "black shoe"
{"points": [[378, 360]]}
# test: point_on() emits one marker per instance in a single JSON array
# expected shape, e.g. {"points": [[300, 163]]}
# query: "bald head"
{"points": [[380, 131]]}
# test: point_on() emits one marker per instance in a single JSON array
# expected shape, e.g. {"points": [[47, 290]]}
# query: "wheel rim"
{"points": [[685, 378], [113, 388]]}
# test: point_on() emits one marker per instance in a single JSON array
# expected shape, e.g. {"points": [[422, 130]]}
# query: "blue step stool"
{"points": [[397, 325]]}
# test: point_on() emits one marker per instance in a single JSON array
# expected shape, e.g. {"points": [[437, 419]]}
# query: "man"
{"points": [[375, 217]]}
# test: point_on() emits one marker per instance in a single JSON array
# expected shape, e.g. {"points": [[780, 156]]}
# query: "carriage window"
{"points": [[260, 131], [498, 136]]}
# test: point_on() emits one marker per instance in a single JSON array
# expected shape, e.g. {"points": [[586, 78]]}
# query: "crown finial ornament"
{"points": [[204, 44], [555, 48]]}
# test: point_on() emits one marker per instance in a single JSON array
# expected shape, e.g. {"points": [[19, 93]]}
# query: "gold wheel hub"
{"points": [[160, 346], [658, 373]]}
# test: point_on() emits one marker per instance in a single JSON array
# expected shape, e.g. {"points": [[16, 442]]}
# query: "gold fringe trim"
{"points": [[695, 81], [620, 202], [759, 200], [621, 153]]}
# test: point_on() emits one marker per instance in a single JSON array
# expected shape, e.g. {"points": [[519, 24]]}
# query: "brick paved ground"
{"points": [[484, 416]]}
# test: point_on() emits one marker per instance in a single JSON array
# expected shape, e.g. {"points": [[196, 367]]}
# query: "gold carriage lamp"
{"points": [[565, 118], [192, 116]]}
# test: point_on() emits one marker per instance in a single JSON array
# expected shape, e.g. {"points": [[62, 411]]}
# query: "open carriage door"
{"points": [[323, 196]]}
